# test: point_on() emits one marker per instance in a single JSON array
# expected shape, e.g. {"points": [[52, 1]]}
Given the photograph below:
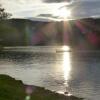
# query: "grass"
{"points": [[11, 89]]}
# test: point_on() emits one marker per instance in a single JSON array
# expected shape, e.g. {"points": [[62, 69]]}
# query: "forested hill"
{"points": [[76, 33]]}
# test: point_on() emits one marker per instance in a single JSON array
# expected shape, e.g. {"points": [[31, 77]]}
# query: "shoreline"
{"points": [[11, 89]]}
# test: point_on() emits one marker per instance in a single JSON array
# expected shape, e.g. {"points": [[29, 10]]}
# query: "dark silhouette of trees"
{"points": [[4, 15]]}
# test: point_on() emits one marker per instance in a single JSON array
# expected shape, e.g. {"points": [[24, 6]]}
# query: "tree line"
{"points": [[3, 14]]}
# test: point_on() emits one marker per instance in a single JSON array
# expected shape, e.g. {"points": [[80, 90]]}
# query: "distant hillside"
{"points": [[83, 33], [19, 31]]}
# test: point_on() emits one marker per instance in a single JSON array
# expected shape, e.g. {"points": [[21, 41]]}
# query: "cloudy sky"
{"points": [[33, 8]]}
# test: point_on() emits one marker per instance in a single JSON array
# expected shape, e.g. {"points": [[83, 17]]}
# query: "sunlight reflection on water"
{"points": [[66, 66], [66, 69]]}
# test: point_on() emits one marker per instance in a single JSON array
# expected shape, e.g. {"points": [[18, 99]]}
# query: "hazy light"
{"points": [[63, 13]]}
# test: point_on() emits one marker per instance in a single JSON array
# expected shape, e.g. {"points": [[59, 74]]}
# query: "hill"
{"points": [[82, 33]]}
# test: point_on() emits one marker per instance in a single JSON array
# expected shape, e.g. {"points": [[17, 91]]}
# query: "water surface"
{"points": [[75, 72]]}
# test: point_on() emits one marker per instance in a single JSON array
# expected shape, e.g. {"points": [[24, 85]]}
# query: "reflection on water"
{"points": [[66, 66], [62, 71]]}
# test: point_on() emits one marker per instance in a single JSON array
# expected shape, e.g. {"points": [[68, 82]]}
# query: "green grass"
{"points": [[11, 89]]}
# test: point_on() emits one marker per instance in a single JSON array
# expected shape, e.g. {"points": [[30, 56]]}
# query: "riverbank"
{"points": [[11, 89]]}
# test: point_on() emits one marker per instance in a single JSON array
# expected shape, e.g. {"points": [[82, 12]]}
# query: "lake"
{"points": [[75, 72]]}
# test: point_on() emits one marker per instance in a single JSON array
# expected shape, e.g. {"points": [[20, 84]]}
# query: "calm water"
{"points": [[78, 73]]}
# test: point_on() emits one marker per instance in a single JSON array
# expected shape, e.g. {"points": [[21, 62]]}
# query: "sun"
{"points": [[63, 13]]}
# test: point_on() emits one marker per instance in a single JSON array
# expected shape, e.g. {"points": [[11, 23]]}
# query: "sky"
{"points": [[46, 8]]}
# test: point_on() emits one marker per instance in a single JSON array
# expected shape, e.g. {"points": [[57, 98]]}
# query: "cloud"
{"points": [[18, 5], [46, 8], [56, 1]]}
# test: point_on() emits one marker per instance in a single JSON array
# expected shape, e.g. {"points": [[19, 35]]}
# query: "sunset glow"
{"points": [[63, 13]]}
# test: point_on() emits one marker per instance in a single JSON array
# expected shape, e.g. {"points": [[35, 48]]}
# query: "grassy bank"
{"points": [[11, 89]]}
